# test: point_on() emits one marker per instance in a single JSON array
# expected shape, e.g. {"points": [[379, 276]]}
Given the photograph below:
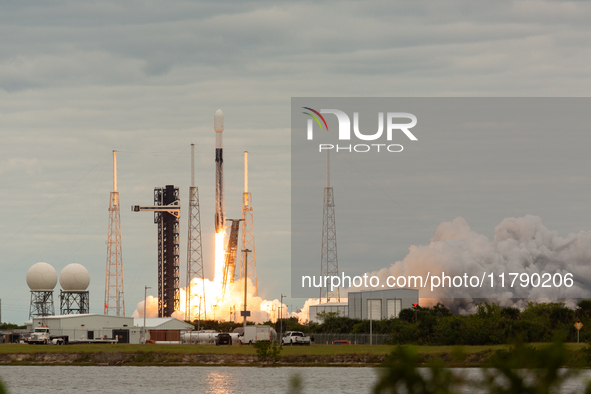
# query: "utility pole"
{"points": [[199, 318], [245, 312], [281, 322], [145, 302], [370, 318]]}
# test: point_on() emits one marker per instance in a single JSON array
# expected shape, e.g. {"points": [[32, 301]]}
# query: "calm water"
{"points": [[218, 380]]}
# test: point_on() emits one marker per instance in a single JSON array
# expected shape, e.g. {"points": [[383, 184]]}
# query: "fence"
{"points": [[354, 339]]}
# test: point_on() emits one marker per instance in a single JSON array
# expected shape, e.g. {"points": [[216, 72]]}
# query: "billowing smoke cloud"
{"points": [[520, 245], [226, 309]]}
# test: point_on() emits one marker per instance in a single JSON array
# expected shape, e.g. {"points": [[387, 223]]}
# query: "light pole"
{"points": [[145, 302], [370, 318], [199, 317], [281, 322], [246, 251]]}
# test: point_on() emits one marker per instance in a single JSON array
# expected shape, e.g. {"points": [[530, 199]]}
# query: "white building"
{"points": [[163, 329], [90, 326]]}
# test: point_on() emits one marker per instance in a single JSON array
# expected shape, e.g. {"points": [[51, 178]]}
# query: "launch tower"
{"points": [[167, 211]]}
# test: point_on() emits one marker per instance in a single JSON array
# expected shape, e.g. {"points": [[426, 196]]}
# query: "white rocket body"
{"points": [[220, 214]]}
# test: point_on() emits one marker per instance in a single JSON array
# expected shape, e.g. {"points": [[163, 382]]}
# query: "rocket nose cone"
{"points": [[218, 121]]}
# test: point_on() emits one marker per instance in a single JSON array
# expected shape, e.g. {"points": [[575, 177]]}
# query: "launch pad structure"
{"points": [[230, 256], [167, 211]]}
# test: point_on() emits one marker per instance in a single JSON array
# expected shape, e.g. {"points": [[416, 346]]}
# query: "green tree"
{"points": [[267, 351]]}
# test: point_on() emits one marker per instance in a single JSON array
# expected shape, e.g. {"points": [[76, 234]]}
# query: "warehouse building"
{"points": [[164, 329], [90, 326], [123, 329], [377, 304]]}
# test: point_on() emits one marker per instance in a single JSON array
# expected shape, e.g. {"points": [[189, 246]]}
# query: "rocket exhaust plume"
{"points": [[223, 299], [218, 125]]}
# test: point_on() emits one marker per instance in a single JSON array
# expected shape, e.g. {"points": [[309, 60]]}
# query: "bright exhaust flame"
{"points": [[220, 255], [216, 308]]}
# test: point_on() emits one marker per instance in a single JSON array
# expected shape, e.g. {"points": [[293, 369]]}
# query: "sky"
{"points": [[80, 79]]}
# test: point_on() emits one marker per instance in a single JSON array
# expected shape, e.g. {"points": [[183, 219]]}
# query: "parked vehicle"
{"points": [[223, 338], [254, 334], [295, 338], [200, 337], [41, 336]]}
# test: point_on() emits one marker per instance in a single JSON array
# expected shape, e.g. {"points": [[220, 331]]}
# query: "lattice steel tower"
{"points": [[114, 291], [329, 264], [248, 233], [194, 310]]}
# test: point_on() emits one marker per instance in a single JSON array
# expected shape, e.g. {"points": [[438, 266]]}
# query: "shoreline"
{"points": [[245, 356]]}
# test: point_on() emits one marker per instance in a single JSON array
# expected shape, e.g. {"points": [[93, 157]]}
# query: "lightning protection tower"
{"points": [[329, 265], [249, 261], [194, 310], [114, 292], [167, 211]]}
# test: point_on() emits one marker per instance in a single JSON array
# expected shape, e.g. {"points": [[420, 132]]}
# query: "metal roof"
{"points": [[162, 323]]}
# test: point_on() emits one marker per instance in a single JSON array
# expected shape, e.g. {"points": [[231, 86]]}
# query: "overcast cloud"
{"points": [[79, 79]]}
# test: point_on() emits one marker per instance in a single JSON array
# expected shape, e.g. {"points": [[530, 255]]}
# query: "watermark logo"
{"points": [[392, 120]]}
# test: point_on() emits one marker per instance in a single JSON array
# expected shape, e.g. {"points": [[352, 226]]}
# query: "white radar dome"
{"points": [[41, 277], [74, 277]]}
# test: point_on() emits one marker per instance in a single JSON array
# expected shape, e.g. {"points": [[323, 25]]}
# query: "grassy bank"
{"points": [[317, 355]]}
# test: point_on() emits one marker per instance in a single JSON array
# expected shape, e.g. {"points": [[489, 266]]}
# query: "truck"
{"points": [[254, 334], [295, 338], [41, 336]]}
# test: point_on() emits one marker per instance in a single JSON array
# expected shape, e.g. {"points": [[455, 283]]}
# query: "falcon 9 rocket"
{"points": [[220, 219]]}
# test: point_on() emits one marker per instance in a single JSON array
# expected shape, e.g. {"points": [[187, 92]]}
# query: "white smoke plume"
{"points": [[227, 309], [520, 245]]}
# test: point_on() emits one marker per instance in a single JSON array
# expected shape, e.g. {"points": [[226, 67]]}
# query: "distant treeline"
{"points": [[491, 324]]}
